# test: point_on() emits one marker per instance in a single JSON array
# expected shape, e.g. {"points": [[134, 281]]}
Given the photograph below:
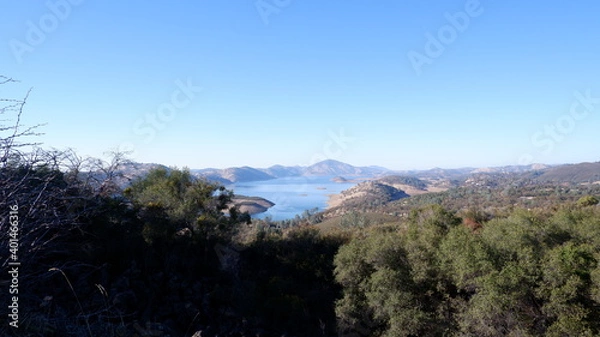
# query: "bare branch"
{"points": [[4, 80]]}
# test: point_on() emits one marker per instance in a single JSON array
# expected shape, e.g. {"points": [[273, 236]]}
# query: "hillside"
{"points": [[404, 180], [436, 179], [280, 171], [325, 168], [334, 167], [234, 174], [240, 174], [371, 193], [495, 190], [577, 173]]}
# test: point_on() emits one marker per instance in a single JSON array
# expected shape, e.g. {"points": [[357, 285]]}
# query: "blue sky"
{"points": [[401, 84]]}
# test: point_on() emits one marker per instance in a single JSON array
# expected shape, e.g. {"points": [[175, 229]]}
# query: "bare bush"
{"points": [[56, 193]]}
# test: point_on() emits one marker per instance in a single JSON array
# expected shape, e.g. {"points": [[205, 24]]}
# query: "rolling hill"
{"points": [[323, 168], [578, 173]]}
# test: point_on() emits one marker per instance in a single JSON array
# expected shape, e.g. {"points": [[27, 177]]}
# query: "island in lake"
{"points": [[252, 205], [339, 179]]}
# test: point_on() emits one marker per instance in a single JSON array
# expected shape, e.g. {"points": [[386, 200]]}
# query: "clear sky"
{"points": [[400, 84]]}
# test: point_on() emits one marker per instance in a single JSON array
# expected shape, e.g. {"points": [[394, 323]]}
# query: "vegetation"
{"points": [[169, 256], [526, 274], [172, 201], [405, 180], [495, 195], [369, 195]]}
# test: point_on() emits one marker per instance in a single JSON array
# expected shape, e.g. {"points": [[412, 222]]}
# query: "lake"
{"points": [[291, 195]]}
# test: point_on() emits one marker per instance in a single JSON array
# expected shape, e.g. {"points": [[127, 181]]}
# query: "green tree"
{"points": [[427, 228], [384, 291], [566, 282], [172, 200], [588, 200]]}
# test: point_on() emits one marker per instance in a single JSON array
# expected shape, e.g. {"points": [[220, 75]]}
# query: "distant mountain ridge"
{"points": [[334, 167], [457, 173], [582, 172], [323, 168]]}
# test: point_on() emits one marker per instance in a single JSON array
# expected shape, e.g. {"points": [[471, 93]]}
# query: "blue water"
{"points": [[291, 195]]}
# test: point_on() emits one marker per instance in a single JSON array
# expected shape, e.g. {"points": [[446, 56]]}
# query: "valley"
{"points": [[284, 192]]}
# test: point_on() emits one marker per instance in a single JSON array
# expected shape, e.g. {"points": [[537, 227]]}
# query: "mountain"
{"points": [[511, 168], [214, 177], [233, 174], [582, 173], [240, 174], [437, 173], [280, 171], [577, 173], [324, 168], [331, 167], [463, 173], [371, 193], [337, 168], [212, 174]]}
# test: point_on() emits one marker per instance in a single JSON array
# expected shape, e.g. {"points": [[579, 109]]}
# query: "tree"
{"points": [[13, 135], [587, 200], [171, 200], [381, 294]]}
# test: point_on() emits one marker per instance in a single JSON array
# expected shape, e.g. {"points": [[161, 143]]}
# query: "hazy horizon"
{"points": [[371, 165], [405, 86]]}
